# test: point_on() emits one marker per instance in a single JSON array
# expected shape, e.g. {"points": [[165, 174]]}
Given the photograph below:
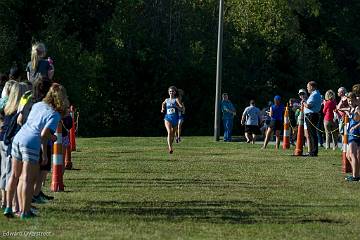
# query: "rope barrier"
{"points": [[330, 131], [76, 123], [337, 129], [291, 126]]}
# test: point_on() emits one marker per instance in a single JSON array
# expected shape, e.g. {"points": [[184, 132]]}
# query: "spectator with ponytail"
{"points": [[16, 91], [39, 66]]}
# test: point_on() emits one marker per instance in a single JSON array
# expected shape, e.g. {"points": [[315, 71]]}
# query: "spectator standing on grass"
{"points": [[312, 108], [276, 124], [3, 79], [3, 161], [341, 109], [303, 97], [40, 88], [329, 123], [42, 122], [39, 66], [293, 105], [229, 112], [67, 123], [251, 119], [320, 126], [353, 151], [16, 91]]}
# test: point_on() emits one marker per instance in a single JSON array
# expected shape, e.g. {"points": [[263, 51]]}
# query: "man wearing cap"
{"points": [[302, 92], [276, 124], [312, 107]]}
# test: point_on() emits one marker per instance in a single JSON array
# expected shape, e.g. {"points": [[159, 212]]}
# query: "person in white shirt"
{"points": [[251, 119]]}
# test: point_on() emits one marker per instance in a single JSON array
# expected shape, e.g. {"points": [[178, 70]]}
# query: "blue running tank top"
{"points": [[355, 135], [171, 108], [172, 112]]}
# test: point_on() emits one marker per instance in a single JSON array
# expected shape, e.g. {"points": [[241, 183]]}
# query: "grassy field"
{"points": [[131, 188]]}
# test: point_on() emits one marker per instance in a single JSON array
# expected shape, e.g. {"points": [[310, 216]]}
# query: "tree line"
{"points": [[118, 57]]}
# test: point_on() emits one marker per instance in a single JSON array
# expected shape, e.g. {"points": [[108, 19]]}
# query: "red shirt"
{"points": [[329, 107]]}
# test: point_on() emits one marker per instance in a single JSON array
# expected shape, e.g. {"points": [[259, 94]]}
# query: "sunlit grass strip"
{"points": [[131, 188]]}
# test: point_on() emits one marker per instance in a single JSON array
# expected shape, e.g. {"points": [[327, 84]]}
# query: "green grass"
{"points": [[131, 188]]}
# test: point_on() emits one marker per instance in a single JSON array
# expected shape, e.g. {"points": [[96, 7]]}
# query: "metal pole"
{"points": [[219, 72]]}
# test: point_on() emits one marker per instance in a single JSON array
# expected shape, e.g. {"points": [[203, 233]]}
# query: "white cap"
{"points": [[302, 91]]}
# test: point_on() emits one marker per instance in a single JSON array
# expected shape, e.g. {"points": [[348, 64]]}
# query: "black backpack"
{"points": [[11, 130]]}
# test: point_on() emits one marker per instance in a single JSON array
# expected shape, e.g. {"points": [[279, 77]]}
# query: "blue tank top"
{"points": [[277, 112], [355, 135], [171, 109]]}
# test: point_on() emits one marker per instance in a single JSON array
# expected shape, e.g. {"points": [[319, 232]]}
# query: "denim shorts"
{"points": [[22, 153]]}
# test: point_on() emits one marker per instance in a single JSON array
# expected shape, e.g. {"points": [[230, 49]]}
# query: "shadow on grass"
{"points": [[73, 169], [217, 212], [106, 183]]}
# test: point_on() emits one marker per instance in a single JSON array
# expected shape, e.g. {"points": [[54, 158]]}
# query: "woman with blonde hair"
{"points": [[329, 123], [33, 136], [39, 66], [16, 91], [5, 93]]}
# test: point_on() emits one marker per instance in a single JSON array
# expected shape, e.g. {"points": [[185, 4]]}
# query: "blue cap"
{"points": [[277, 98]]}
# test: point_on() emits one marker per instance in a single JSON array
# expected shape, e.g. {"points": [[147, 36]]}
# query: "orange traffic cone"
{"points": [[67, 157], [300, 135], [286, 135], [57, 184], [346, 166], [72, 129]]}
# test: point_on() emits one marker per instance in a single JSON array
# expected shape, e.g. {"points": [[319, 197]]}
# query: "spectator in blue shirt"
{"points": [[229, 112], [312, 108]]}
